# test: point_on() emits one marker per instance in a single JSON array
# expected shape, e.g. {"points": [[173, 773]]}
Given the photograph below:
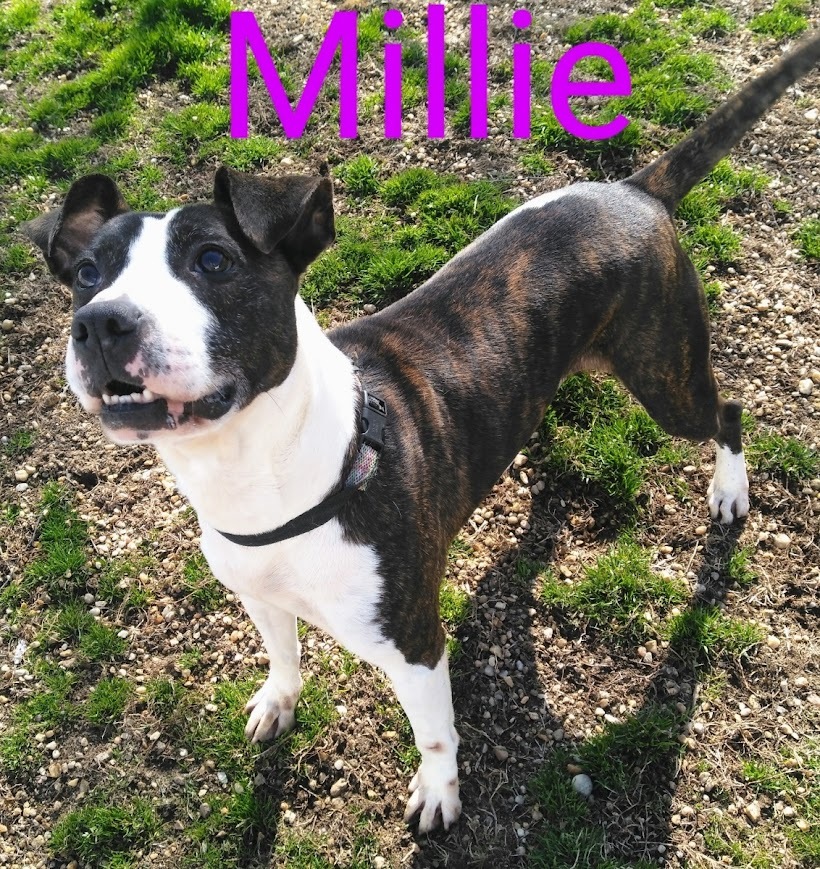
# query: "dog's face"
{"points": [[182, 319]]}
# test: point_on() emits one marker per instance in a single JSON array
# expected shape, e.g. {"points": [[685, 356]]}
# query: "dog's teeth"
{"points": [[137, 396], [113, 399], [148, 396], [106, 398]]}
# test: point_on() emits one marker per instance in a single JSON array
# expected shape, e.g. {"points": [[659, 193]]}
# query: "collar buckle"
{"points": [[373, 421]]}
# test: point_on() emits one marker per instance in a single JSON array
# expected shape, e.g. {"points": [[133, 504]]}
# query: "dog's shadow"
{"points": [[563, 698], [573, 699]]}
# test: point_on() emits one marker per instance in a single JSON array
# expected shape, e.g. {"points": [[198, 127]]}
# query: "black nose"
{"points": [[105, 326]]}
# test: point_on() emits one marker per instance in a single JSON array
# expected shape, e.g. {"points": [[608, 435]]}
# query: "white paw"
{"points": [[726, 505], [435, 797], [271, 712], [729, 490]]}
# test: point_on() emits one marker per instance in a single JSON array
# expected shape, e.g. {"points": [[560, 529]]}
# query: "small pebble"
{"points": [[338, 787], [501, 753], [752, 811], [582, 784], [8, 325], [772, 641], [806, 386], [782, 541]]}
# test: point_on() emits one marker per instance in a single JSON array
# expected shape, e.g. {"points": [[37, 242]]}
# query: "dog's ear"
{"points": [[293, 213], [64, 233]]}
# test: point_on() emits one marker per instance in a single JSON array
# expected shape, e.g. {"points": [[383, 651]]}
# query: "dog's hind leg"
{"points": [[661, 353], [272, 707]]}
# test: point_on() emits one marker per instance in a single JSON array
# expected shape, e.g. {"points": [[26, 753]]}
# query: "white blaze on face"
{"points": [[173, 361]]}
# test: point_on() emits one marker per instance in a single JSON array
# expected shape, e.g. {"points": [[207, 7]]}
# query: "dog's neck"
{"points": [[281, 454]]}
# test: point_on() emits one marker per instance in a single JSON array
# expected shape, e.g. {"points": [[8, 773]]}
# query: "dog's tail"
{"points": [[673, 175]]}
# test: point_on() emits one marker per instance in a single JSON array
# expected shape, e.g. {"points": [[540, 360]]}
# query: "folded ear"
{"points": [[293, 213], [65, 233]]}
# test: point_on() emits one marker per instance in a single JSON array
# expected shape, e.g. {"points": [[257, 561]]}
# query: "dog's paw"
{"points": [[726, 505], [271, 713], [728, 492], [435, 799]]}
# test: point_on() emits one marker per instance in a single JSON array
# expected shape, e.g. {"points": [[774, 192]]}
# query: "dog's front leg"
{"points": [[272, 707], [426, 697], [729, 490]]}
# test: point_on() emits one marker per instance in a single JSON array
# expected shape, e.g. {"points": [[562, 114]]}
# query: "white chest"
{"points": [[319, 577]]}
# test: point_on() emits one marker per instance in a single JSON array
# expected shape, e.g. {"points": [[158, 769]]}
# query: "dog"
{"points": [[330, 472]]}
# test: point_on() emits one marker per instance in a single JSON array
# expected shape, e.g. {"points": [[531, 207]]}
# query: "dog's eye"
{"points": [[213, 260], [87, 276]]}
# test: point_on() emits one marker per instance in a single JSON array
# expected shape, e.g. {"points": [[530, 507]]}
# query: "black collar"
{"points": [[372, 423]]}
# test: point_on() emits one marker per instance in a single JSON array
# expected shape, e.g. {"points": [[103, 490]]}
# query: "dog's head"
{"points": [[181, 319]]}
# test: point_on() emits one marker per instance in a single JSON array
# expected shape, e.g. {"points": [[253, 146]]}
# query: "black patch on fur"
{"points": [[253, 342]]}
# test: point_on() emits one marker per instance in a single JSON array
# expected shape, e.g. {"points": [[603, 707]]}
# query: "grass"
{"points": [[725, 187], [785, 458], [423, 220], [154, 42], [60, 564], [360, 176], [107, 702], [201, 586], [738, 567], [808, 239], [19, 443], [673, 86], [703, 635], [786, 18], [97, 642], [569, 834], [455, 605], [18, 17], [596, 433], [622, 757], [616, 594], [50, 708], [106, 832]]}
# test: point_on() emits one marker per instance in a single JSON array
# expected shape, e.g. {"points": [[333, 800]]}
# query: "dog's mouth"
{"points": [[130, 405]]}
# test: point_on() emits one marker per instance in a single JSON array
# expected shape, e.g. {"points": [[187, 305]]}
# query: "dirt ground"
{"points": [[551, 681]]}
